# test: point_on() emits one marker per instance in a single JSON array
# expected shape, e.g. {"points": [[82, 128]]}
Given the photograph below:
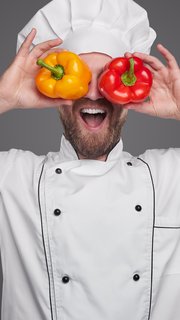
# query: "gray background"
{"points": [[40, 130]]}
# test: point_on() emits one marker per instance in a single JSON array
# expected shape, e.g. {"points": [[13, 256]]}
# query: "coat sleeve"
{"points": [[164, 165], [18, 163], [7, 158], [19, 174]]}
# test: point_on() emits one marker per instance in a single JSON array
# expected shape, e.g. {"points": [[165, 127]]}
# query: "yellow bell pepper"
{"points": [[63, 75]]}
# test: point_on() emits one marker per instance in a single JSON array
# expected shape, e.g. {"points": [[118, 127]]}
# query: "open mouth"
{"points": [[93, 118]]}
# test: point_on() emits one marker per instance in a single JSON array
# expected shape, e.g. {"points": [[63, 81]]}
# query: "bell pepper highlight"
{"points": [[125, 80], [63, 75]]}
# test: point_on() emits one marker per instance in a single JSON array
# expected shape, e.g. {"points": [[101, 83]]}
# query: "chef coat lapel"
{"points": [[87, 167]]}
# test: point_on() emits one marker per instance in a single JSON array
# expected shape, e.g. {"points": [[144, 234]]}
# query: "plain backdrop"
{"points": [[40, 130]]}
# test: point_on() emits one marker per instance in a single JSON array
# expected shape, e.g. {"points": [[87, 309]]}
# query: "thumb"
{"points": [[145, 107], [49, 103]]}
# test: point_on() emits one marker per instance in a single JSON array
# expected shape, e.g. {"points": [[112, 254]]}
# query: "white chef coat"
{"points": [[90, 240]]}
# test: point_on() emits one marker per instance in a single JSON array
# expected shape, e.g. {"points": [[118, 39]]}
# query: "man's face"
{"points": [[92, 124]]}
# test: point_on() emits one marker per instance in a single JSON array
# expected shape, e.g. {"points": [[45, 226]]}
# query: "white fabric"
{"points": [[108, 26], [99, 240]]}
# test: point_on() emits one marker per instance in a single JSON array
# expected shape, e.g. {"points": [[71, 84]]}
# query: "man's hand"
{"points": [[17, 84], [164, 99]]}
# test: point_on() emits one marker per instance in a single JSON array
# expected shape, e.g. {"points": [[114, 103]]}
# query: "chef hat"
{"points": [[107, 26]]}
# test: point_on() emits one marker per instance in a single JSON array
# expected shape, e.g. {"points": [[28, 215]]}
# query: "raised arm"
{"points": [[17, 86]]}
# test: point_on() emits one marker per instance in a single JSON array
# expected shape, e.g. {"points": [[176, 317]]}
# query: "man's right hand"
{"points": [[17, 84]]}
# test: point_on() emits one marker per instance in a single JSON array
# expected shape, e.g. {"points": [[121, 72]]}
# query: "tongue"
{"points": [[93, 120]]}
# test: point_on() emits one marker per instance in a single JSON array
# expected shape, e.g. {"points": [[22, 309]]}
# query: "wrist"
{"points": [[177, 114], [6, 102], [4, 105]]}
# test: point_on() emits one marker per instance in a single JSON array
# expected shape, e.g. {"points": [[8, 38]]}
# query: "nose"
{"points": [[93, 92]]}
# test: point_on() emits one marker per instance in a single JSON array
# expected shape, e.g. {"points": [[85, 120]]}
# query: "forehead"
{"points": [[95, 60]]}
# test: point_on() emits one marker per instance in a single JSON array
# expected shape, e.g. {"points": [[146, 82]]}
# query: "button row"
{"points": [[57, 212], [66, 279], [138, 207], [59, 171]]}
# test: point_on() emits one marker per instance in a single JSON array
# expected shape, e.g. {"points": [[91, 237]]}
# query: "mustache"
{"points": [[85, 102]]}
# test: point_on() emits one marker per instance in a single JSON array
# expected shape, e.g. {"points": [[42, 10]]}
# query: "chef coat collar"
{"points": [[67, 152]]}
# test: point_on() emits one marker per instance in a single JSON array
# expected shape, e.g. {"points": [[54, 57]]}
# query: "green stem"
{"points": [[57, 71], [129, 78]]}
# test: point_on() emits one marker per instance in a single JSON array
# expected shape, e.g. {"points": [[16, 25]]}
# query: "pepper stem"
{"points": [[128, 78], [57, 71]]}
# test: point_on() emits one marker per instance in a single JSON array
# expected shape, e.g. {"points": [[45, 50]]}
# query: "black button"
{"points": [[138, 208], [58, 171], [129, 163], [136, 277], [65, 279], [57, 212]]}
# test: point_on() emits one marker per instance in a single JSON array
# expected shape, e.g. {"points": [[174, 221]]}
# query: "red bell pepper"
{"points": [[125, 80]]}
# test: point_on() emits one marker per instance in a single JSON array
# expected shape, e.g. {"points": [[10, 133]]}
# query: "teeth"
{"points": [[92, 111]]}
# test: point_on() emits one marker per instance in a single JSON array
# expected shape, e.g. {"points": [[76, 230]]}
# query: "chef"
{"points": [[90, 232]]}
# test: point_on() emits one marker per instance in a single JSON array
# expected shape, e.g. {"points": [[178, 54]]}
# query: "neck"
{"points": [[101, 158]]}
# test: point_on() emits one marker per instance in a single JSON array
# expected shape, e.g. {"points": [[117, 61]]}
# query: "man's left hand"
{"points": [[164, 98]]}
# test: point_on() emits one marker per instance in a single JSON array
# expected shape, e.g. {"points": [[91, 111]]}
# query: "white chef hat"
{"points": [[108, 26]]}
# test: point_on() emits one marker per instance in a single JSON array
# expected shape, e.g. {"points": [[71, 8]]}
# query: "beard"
{"points": [[91, 144]]}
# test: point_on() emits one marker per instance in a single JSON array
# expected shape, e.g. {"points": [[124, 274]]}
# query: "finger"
{"points": [[45, 46], [150, 68], [171, 61], [49, 103], [50, 51], [128, 55], [142, 107], [153, 62], [25, 46]]}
